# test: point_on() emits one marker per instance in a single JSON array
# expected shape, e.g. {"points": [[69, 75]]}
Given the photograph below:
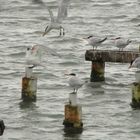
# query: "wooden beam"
{"points": [[111, 55]]}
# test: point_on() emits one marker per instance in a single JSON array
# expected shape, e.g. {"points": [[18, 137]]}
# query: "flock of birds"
{"points": [[33, 54]]}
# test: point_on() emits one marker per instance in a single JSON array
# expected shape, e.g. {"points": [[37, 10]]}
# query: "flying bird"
{"points": [[75, 82], [56, 21], [121, 43], [95, 41]]}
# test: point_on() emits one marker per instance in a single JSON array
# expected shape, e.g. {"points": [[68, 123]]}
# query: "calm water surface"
{"points": [[106, 110]]}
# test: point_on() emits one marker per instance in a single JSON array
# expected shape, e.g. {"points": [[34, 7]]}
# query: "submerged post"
{"points": [[73, 115], [136, 92], [29, 85]]}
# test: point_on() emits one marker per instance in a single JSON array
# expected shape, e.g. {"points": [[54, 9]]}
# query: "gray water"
{"points": [[106, 110]]}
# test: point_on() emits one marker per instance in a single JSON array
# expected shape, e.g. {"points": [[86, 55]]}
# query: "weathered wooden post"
{"points": [[97, 70], [73, 115], [136, 91], [29, 85]]}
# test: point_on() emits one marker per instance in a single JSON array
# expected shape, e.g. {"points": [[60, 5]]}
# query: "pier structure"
{"points": [[98, 59]]}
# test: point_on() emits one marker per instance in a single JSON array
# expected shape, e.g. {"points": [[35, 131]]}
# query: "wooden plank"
{"points": [[111, 55]]}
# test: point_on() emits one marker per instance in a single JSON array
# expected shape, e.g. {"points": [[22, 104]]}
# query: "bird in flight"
{"points": [[56, 21]]}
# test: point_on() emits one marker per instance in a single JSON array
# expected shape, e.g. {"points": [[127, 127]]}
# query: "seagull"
{"points": [[121, 43], [75, 82], [95, 41], [135, 63], [56, 21], [33, 56]]}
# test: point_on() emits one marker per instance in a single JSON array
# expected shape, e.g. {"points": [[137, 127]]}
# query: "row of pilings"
{"points": [[72, 110]]}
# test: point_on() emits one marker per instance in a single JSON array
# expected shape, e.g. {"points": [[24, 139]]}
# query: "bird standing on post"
{"points": [[75, 82], [33, 56], [56, 22], [95, 41], [121, 43]]}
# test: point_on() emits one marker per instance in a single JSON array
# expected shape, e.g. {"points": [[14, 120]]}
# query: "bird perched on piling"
{"points": [[121, 43], [95, 41], [56, 21], [33, 56], [75, 82]]}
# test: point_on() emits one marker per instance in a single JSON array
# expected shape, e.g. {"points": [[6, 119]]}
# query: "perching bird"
{"points": [[75, 82], [56, 21], [95, 41], [135, 63], [121, 43], [35, 53], [33, 56]]}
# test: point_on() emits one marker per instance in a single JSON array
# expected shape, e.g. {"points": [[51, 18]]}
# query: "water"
{"points": [[106, 110]]}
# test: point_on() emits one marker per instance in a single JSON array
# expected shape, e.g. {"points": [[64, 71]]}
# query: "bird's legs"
{"points": [[62, 30], [75, 91]]}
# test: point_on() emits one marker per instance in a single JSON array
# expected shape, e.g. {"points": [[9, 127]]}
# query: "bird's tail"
{"points": [[103, 40]]}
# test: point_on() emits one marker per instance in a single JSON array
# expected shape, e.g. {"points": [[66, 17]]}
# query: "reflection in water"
{"points": [[27, 104], [72, 136]]}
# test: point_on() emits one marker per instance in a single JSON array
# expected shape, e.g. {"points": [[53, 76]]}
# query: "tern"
{"points": [[33, 56], [56, 21], [75, 82], [95, 41], [121, 43], [35, 53]]}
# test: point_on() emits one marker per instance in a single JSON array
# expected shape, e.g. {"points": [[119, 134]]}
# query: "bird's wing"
{"points": [[51, 14], [50, 51], [62, 9]]}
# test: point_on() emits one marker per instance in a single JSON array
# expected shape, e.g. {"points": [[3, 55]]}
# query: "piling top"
{"points": [[111, 55]]}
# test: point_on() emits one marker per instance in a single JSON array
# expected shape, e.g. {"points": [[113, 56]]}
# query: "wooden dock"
{"points": [[111, 55]]}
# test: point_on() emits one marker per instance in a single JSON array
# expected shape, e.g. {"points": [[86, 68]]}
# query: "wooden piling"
{"points": [[99, 57], [97, 71], [73, 119], [135, 95], [111, 55], [29, 88]]}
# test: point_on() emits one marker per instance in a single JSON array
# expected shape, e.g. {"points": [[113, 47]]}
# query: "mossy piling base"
{"points": [[29, 88], [73, 119], [135, 95]]}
